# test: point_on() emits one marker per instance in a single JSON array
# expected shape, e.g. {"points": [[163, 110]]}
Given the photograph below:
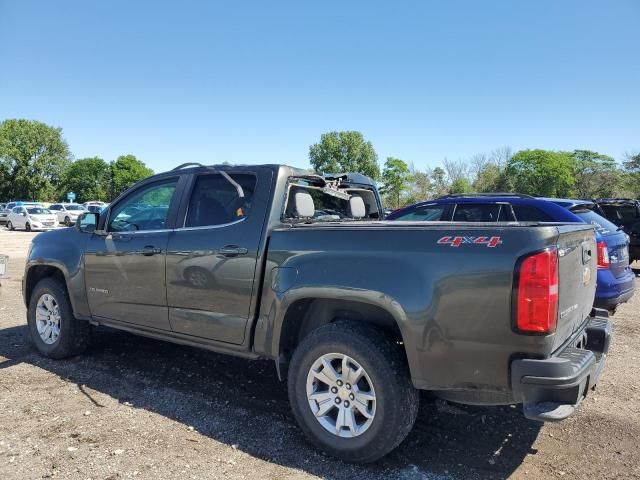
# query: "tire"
{"points": [[10, 226], [73, 334], [27, 227], [67, 221], [396, 400]]}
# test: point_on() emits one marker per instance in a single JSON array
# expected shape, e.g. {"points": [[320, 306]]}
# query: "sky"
{"points": [[259, 82]]}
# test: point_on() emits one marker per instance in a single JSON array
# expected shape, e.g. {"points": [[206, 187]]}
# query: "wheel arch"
{"points": [[306, 313]]}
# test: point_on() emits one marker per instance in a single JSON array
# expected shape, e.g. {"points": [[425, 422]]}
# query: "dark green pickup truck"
{"points": [[357, 313]]}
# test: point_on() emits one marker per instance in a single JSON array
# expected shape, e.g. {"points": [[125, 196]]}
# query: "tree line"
{"points": [[548, 173], [36, 164]]}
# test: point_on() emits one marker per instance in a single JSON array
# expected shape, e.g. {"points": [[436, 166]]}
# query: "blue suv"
{"points": [[616, 280]]}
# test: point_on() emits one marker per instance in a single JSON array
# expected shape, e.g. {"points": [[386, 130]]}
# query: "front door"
{"points": [[125, 264], [211, 259]]}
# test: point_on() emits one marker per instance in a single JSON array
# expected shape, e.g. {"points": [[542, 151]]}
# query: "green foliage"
{"points": [[439, 177], [461, 185], [488, 179], [395, 177], [124, 172], [541, 172], [631, 177], [88, 178], [339, 152], [33, 157], [596, 175]]}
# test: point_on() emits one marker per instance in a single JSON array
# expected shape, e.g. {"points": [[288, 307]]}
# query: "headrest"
{"points": [[303, 204], [356, 207]]}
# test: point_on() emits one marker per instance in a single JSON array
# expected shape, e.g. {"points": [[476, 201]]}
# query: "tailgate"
{"points": [[577, 258]]}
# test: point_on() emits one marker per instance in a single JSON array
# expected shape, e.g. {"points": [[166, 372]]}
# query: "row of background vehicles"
{"points": [[43, 216], [617, 223]]}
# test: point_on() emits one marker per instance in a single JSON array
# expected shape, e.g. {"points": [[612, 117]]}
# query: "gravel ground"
{"points": [[132, 407]]}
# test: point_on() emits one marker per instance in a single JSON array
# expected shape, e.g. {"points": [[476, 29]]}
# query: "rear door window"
{"points": [[428, 213], [215, 200], [530, 214], [491, 212]]}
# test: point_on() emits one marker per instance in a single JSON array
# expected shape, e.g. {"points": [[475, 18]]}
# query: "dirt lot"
{"points": [[138, 408]]}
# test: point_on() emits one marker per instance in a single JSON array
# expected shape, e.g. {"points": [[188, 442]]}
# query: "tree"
{"points": [[631, 177], [348, 151], [395, 177], [124, 172], [88, 178], [33, 157], [488, 179], [461, 185], [596, 175], [541, 172], [420, 186], [438, 175]]}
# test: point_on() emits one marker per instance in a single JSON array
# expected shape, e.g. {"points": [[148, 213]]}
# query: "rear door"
{"points": [[212, 255], [577, 262]]}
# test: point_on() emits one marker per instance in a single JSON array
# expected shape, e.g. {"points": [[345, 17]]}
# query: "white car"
{"points": [[67, 213], [30, 218]]}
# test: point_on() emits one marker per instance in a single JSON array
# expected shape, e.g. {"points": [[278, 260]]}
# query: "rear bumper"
{"points": [[551, 389], [612, 302]]}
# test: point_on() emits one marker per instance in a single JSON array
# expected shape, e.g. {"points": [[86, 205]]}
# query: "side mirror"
{"points": [[87, 222], [24, 214]]}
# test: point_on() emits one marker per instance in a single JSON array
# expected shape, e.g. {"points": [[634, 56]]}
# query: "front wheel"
{"points": [[10, 226], [67, 221], [54, 330], [351, 392], [27, 227]]}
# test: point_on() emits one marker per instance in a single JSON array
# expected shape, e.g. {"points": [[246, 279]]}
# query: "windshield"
{"points": [[603, 225], [38, 211], [75, 207]]}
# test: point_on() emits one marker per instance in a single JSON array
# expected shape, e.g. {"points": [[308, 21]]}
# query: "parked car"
{"points": [[4, 213], [94, 206], [30, 218], [358, 314], [625, 213], [616, 280], [67, 213]]}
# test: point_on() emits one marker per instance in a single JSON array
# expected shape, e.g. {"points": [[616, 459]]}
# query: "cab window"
{"points": [[145, 209], [215, 200]]}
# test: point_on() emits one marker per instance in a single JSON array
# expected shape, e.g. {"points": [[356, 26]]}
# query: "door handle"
{"points": [[150, 250], [232, 251]]}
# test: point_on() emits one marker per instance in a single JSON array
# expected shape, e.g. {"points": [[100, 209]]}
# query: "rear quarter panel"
{"points": [[452, 304]]}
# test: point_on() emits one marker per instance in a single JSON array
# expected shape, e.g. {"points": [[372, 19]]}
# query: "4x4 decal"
{"points": [[456, 241]]}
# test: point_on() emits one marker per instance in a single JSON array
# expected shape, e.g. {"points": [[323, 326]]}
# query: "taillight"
{"points": [[537, 295], [603, 255]]}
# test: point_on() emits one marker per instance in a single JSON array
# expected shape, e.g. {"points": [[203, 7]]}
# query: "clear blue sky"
{"points": [[257, 82]]}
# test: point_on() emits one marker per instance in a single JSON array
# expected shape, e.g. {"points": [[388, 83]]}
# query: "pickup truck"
{"points": [[357, 314]]}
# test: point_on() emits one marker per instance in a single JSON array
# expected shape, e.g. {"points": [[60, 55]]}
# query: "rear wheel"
{"points": [[351, 392], [67, 221], [54, 330], [10, 225]]}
